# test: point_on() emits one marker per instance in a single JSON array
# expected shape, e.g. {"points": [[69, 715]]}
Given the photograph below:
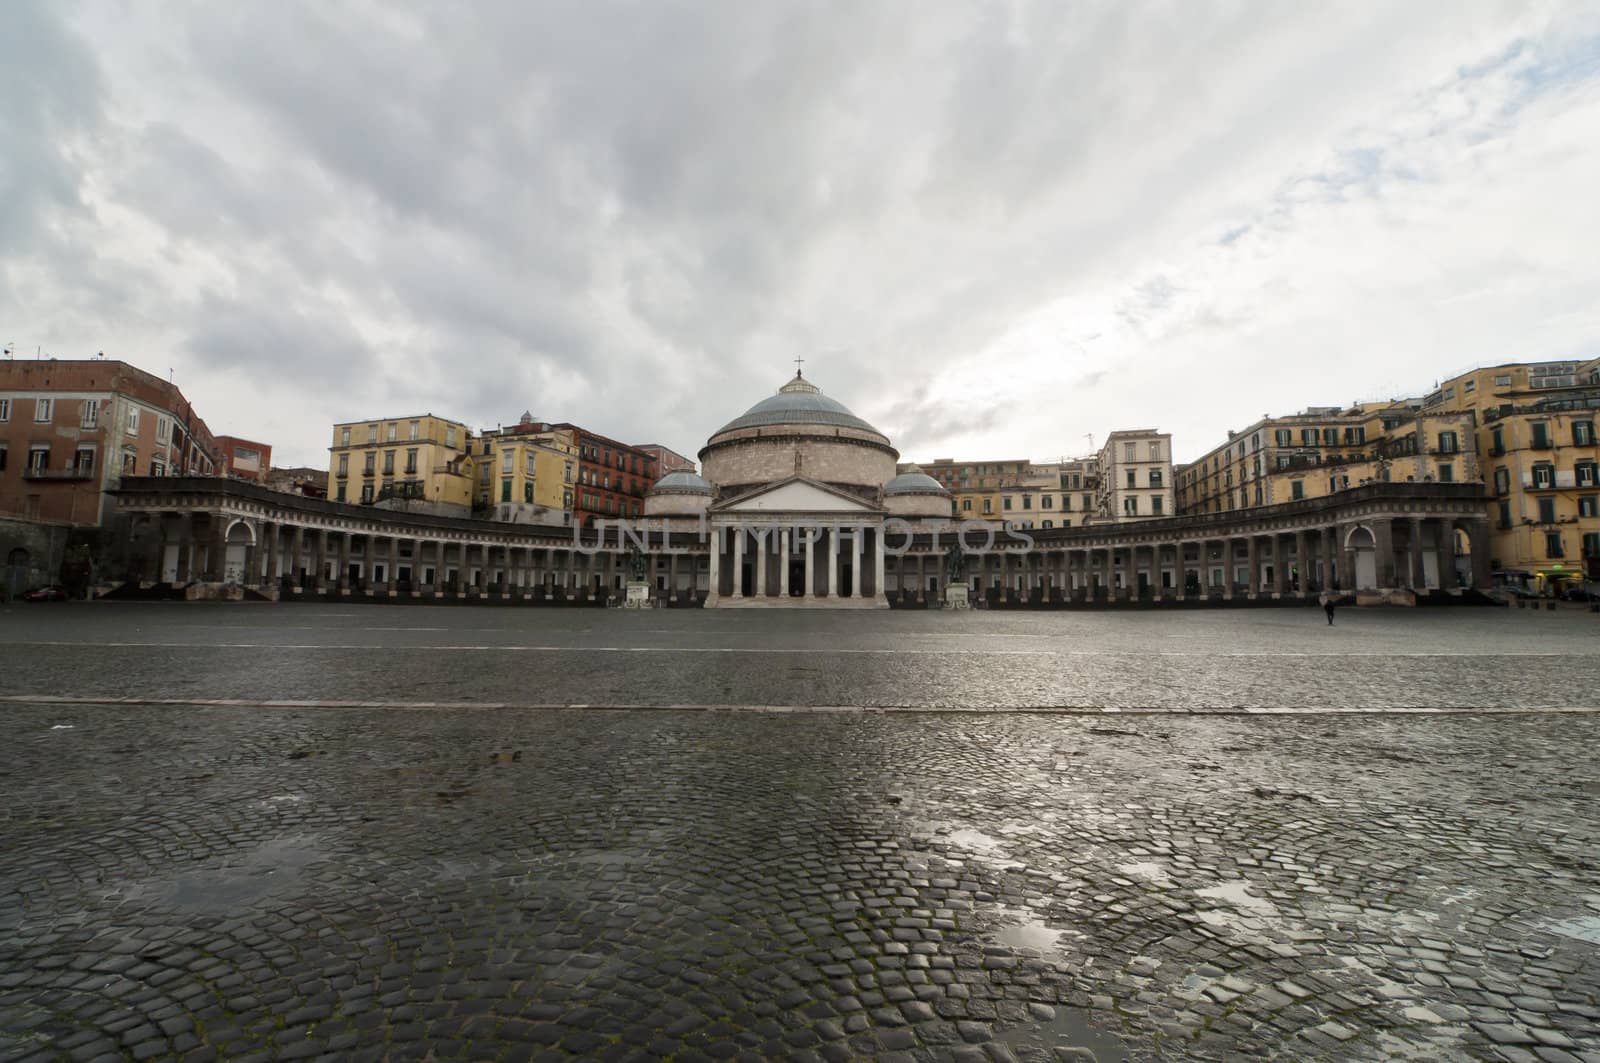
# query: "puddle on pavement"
{"points": [[240, 881], [1583, 928], [979, 842], [1068, 1029], [1237, 893], [1030, 935], [1149, 870]]}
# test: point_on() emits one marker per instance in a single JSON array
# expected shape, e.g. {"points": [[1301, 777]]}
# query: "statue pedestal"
{"points": [[955, 596], [638, 595]]}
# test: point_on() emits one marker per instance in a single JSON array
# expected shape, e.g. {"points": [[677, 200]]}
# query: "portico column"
{"points": [[858, 587], [877, 563], [344, 562], [832, 561], [811, 560], [1252, 553], [1302, 563], [271, 531], [320, 553], [783, 563], [761, 561], [714, 567], [297, 542], [1445, 547], [1180, 573], [1329, 543], [672, 576], [738, 561], [1280, 571], [1227, 569], [1349, 578], [1419, 578], [1388, 570], [1478, 530], [416, 566]]}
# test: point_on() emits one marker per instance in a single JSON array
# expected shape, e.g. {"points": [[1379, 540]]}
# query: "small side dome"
{"points": [[527, 417], [914, 482], [684, 482]]}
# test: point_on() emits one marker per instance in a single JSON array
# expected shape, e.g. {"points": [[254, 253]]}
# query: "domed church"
{"points": [[798, 496]]}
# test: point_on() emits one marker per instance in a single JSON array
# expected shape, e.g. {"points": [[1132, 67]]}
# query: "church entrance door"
{"points": [[797, 579], [747, 579]]}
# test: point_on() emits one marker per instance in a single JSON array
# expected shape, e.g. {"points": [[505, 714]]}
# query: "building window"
{"points": [[1588, 506], [1130, 506], [988, 506], [130, 462], [527, 491], [1505, 514], [1583, 433], [1447, 473], [158, 468], [338, 493], [1281, 437], [1447, 443], [344, 437], [1155, 477], [505, 490], [450, 435], [1552, 544], [966, 505], [1497, 442], [1027, 501], [42, 410], [1130, 451], [1355, 436], [83, 460], [2, 457], [371, 465], [366, 492], [1156, 505], [1132, 482], [1544, 476], [390, 430], [372, 433], [1047, 501], [1006, 502], [38, 458], [1588, 473], [1541, 435], [1048, 524], [1547, 511], [388, 463], [1591, 544], [5, 410], [1330, 437], [411, 462], [163, 430], [414, 428], [1297, 489], [90, 414], [1502, 381], [507, 458], [1155, 451], [344, 465], [1308, 437]]}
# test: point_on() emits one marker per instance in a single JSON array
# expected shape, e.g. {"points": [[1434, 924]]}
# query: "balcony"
{"points": [[33, 473]]}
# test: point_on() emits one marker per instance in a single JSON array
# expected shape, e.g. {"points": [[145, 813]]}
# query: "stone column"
{"points": [[672, 577], [297, 546], [320, 557], [1280, 570], [714, 569], [1252, 553], [344, 562], [1329, 544], [784, 589], [859, 587], [1302, 563], [271, 532], [832, 561], [1180, 572], [1478, 531], [761, 562], [1419, 577], [877, 563], [1348, 577], [811, 562], [1227, 569], [1445, 548], [1388, 569], [738, 561], [417, 567]]}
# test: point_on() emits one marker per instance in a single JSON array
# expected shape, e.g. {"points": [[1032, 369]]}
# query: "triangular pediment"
{"points": [[796, 495]]}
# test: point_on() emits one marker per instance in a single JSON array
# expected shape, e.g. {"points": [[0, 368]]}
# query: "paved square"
{"points": [[245, 881]]}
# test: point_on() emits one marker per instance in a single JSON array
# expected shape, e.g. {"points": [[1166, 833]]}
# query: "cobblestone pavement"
{"points": [[1199, 660], [255, 883], [497, 883]]}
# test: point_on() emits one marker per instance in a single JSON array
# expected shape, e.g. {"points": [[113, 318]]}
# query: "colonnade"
{"points": [[806, 561]]}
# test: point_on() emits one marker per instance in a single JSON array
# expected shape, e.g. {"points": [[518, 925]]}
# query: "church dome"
{"points": [[684, 481], [799, 402], [914, 482]]}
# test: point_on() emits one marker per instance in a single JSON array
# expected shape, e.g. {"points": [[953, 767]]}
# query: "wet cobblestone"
{"points": [[250, 883]]}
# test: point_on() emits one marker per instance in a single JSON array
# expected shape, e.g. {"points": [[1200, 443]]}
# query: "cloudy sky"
{"points": [[991, 228]]}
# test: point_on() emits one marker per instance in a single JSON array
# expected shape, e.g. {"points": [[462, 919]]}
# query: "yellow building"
{"points": [[419, 458], [525, 475], [1541, 462], [1327, 449]]}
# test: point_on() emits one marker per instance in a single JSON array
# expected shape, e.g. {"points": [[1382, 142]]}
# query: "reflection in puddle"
{"points": [[1068, 1029], [1035, 936], [1238, 894], [1584, 928]]}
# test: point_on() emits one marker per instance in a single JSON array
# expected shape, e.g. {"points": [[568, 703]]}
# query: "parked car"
{"points": [[45, 594], [1580, 594], [1516, 592]]}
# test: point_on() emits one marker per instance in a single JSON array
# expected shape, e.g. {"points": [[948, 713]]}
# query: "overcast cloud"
{"points": [[991, 228]]}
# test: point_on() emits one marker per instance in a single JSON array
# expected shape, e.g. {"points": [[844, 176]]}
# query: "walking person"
{"points": [[1327, 607]]}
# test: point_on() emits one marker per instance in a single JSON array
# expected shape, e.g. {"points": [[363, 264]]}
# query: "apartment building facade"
{"points": [[1323, 450], [1535, 427], [244, 458], [612, 476], [526, 474], [71, 429], [1135, 476], [666, 459], [420, 459]]}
